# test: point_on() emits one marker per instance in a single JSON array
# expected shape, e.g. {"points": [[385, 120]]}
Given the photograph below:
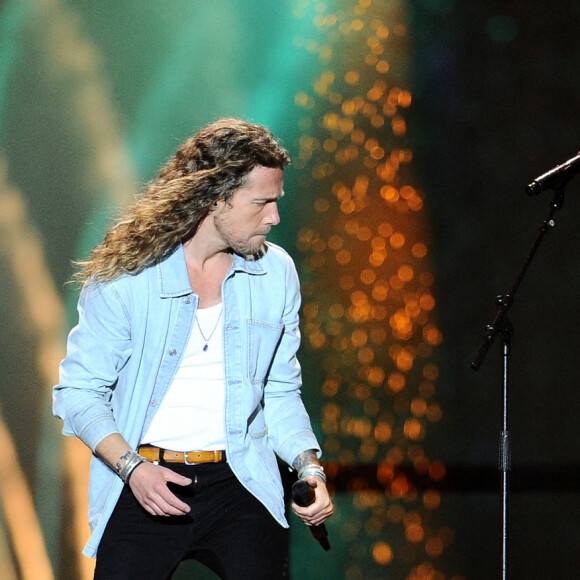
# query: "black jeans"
{"points": [[228, 530]]}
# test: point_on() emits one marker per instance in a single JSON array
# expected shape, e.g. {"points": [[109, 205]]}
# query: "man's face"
{"points": [[243, 221]]}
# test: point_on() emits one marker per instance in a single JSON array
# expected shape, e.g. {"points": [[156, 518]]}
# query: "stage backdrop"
{"points": [[414, 126]]}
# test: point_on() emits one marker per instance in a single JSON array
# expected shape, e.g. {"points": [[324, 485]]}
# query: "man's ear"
{"points": [[221, 205], [218, 206]]}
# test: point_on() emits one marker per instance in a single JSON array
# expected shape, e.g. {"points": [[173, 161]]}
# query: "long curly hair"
{"points": [[206, 168]]}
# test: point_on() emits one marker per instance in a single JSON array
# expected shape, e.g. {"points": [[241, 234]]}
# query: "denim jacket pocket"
{"points": [[263, 340]]}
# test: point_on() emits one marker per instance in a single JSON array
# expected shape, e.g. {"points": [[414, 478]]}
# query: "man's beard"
{"points": [[247, 250], [242, 247]]}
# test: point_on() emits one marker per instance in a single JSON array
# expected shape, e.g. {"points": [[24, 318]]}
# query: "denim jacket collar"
{"points": [[174, 280]]}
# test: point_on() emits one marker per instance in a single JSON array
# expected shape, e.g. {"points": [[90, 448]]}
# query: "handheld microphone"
{"points": [[303, 494], [556, 177]]}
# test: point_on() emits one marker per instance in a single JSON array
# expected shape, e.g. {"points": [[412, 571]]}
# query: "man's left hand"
{"points": [[321, 509]]}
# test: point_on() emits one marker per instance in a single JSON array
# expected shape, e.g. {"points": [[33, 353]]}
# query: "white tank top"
{"points": [[191, 415]]}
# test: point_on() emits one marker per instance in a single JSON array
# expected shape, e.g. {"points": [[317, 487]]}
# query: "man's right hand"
{"points": [[148, 483]]}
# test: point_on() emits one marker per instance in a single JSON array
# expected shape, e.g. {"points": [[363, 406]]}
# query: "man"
{"points": [[181, 375]]}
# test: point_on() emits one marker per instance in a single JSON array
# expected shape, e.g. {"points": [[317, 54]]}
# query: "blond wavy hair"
{"points": [[206, 168]]}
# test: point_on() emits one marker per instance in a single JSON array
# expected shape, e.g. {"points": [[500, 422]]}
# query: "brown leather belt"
{"points": [[156, 454]]}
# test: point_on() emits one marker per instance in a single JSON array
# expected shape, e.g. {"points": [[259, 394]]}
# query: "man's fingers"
{"points": [[171, 476], [149, 485], [319, 518], [321, 509], [164, 503], [161, 507], [169, 503], [172, 504]]}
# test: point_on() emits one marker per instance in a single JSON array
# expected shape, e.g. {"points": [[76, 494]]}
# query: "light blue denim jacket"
{"points": [[124, 352]]}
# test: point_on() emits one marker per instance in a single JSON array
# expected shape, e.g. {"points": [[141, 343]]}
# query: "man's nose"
{"points": [[273, 216]]}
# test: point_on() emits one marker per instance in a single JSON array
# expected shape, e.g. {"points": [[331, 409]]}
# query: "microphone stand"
{"points": [[502, 326]]}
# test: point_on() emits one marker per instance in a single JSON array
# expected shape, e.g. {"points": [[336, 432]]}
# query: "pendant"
{"points": [[205, 348]]}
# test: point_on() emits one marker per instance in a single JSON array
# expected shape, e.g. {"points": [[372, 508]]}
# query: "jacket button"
{"points": [[187, 299], [172, 352]]}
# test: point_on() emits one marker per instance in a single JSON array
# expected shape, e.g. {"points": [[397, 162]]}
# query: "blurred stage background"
{"points": [[414, 126]]}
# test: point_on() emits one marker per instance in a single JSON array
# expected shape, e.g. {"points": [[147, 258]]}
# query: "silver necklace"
{"points": [[206, 340]]}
